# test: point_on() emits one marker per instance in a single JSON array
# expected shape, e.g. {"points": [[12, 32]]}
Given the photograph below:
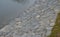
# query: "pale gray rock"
{"points": [[36, 21]]}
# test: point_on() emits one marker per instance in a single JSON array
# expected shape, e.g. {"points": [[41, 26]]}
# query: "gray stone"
{"points": [[36, 21]]}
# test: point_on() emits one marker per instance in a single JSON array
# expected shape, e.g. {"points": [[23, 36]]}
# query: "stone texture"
{"points": [[36, 21]]}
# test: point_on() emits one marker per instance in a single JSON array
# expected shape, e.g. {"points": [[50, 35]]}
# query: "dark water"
{"points": [[9, 9]]}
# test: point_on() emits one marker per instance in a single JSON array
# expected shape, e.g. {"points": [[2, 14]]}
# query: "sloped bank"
{"points": [[37, 21], [56, 28]]}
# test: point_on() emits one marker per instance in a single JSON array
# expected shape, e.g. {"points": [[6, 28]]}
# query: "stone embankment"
{"points": [[37, 21]]}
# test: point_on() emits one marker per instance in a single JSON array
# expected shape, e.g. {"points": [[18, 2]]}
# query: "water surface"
{"points": [[9, 9]]}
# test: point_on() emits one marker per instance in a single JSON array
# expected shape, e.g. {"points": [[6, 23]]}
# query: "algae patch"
{"points": [[56, 29]]}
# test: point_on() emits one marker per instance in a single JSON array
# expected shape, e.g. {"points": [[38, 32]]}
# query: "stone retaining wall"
{"points": [[36, 21]]}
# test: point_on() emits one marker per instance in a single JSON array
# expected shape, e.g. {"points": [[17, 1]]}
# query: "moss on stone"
{"points": [[56, 29]]}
